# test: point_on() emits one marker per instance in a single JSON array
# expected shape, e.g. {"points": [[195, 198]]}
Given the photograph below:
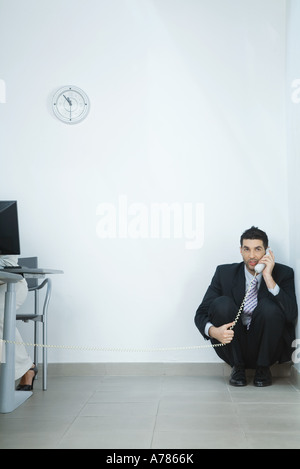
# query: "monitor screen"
{"points": [[9, 228]]}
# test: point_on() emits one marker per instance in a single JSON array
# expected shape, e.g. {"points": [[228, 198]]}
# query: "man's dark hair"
{"points": [[255, 233]]}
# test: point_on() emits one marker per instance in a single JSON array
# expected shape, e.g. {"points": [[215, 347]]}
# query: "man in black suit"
{"points": [[262, 337]]}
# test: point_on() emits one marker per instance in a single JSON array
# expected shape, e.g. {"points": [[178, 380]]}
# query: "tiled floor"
{"points": [[159, 412]]}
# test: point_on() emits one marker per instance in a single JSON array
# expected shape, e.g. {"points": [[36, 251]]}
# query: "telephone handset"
{"points": [[260, 267]]}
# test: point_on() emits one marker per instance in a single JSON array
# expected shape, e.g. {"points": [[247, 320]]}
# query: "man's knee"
{"points": [[222, 310], [269, 312]]}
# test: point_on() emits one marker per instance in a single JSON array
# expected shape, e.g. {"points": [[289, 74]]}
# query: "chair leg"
{"points": [[45, 355], [45, 333], [36, 341], [36, 329]]}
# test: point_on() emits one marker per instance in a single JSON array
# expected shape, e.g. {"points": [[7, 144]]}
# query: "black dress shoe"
{"points": [[262, 377], [238, 376]]}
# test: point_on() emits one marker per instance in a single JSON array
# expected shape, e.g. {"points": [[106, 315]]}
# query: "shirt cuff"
{"points": [[274, 290], [208, 325]]}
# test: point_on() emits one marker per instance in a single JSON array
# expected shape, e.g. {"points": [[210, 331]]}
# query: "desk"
{"points": [[10, 399]]}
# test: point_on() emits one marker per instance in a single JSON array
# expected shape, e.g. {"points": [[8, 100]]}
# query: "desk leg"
{"points": [[9, 398]]}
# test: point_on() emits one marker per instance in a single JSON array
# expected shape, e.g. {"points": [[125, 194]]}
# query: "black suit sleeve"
{"points": [[286, 298], [213, 291]]}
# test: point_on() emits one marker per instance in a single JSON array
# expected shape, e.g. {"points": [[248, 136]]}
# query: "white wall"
{"points": [[293, 137], [187, 106]]}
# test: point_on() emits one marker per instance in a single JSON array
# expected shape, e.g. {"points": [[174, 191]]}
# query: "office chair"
{"points": [[37, 316]]}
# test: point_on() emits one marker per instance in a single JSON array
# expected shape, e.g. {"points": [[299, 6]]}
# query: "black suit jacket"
{"points": [[229, 280]]}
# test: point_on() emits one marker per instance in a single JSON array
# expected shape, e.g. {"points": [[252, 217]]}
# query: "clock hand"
{"points": [[68, 100]]}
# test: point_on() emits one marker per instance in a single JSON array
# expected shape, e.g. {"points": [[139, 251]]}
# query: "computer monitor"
{"points": [[9, 228]]}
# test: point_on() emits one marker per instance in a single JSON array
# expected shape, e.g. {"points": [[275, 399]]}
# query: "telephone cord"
{"points": [[127, 350]]}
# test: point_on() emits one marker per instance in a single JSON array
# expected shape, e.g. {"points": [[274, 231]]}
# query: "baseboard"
{"points": [[154, 369], [295, 376]]}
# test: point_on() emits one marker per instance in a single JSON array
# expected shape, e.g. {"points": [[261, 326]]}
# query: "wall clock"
{"points": [[70, 104]]}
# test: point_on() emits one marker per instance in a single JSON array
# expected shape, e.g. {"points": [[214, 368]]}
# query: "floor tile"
{"points": [[279, 440], [228, 439], [108, 440], [171, 412], [112, 409], [201, 422]]}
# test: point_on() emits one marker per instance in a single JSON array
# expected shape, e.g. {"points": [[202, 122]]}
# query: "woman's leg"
{"points": [[22, 360]]}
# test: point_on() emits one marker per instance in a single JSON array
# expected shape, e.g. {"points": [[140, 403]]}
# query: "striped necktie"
{"points": [[250, 303]]}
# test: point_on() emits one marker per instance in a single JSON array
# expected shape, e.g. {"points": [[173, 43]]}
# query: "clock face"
{"points": [[70, 104]]}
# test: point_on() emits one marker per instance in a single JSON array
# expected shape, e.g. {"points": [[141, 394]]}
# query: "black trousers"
{"points": [[261, 345]]}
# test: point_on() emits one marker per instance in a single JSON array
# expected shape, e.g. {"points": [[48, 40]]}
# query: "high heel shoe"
{"points": [[28, 387]]}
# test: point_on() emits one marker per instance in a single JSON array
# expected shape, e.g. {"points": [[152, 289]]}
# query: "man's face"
{"points": [[252, 251]]}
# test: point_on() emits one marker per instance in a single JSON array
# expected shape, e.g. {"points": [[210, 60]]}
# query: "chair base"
{"points": [[11, 403]]}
